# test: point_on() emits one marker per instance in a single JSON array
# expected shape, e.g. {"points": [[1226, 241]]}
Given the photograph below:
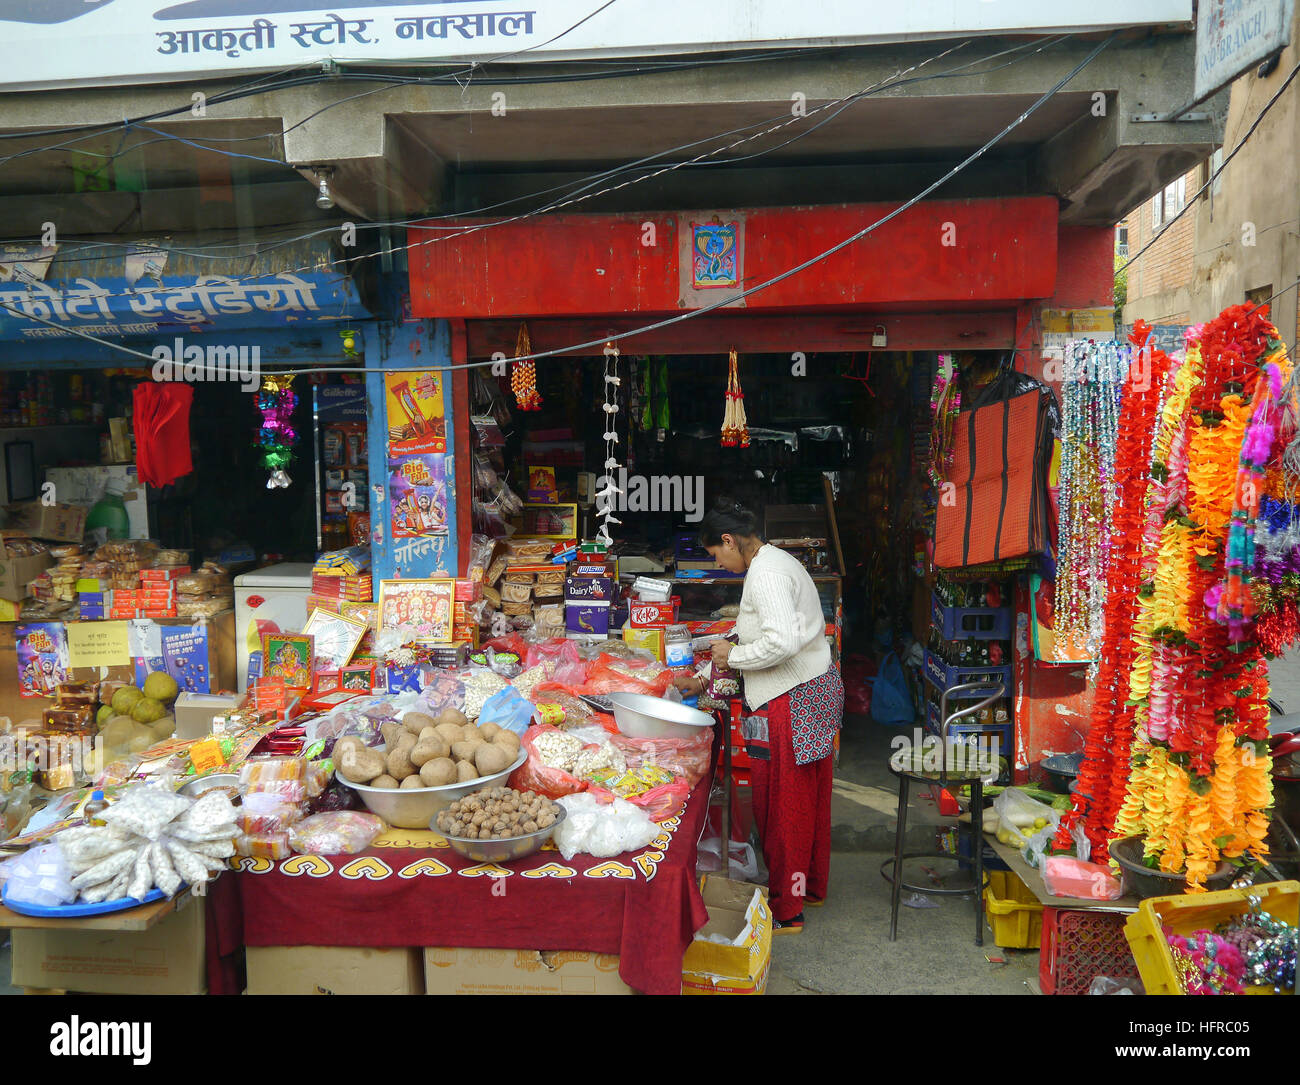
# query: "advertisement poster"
{"points": [[42, 651], [185, 657], [417, 420], [417, 490], [289, 658], [424, 604]]}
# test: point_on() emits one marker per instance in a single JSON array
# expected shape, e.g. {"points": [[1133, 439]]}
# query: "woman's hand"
{"points": [[688, 684], [721, 650]]}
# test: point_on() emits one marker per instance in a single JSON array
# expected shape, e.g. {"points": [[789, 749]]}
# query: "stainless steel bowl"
{"points": [[194, 788], [505, 850], [416, 807], [640, 716]]}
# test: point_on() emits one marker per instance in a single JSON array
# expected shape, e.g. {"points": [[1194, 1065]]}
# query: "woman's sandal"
{"points": [[788, 926]]}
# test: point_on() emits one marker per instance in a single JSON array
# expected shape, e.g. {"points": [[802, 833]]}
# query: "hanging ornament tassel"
{"points": [[735, 426], [523, 375], [276, 437]]}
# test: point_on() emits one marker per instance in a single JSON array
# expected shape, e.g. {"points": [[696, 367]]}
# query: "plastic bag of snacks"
{"points": [[339, 832], [263, 845], [660, 802], [686, 757], [624, 676], [550, 755], [266, 812]]}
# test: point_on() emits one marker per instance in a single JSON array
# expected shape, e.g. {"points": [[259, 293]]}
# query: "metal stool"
{"points": [[909, 766]]}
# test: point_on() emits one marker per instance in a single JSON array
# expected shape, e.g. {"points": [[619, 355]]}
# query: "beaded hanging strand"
{"points": [[605, 499], [523, 376]]}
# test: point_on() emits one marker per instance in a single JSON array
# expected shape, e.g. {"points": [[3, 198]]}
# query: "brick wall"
{"points": [[1168, 265]]}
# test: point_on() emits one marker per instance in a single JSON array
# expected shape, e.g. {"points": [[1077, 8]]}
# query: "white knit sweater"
{"points": [[781, 629]]}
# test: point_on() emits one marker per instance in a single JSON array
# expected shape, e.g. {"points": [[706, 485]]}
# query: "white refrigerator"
{"points": [[270, 600]]}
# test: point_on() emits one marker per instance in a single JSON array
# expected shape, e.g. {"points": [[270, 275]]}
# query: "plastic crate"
{"points": [[945, 676], [1079, 946], [965, 623], [1189, 913], [1013, 912]]}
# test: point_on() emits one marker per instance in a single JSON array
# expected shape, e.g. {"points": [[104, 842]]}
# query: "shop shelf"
{"points": [[1079, 946], [944, 675], [1014, 913], [1189, 913], [964, 623]]}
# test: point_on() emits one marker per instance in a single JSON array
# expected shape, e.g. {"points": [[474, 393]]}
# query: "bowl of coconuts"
{"points": [[426, 764]]}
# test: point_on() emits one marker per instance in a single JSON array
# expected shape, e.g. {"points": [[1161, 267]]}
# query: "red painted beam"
{"points": [[986, 253], [755, 334]]}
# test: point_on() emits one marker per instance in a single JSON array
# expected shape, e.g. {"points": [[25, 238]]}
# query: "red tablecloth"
{"points": [[644, 906]]}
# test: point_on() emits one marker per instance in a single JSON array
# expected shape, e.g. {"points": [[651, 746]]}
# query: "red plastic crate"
{"points": [[1079, 946]]}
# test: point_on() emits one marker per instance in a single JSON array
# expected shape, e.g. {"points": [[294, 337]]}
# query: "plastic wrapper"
{"points": [[577, 713], [319, 774], [202, 582], [480, 556], [40, 876], [660, 803], [545, 779], [340, 832], [291, 791], [264, 812], [607, 675], [1017, 810], [259, 770], [601, 829], [1065, 876], [446, 690], [263, 845], [336, 796], [480, 684], [686, 757], [507, 708]]}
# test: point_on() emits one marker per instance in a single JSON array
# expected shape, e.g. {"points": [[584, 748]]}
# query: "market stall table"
{"points": [[410, 889]]}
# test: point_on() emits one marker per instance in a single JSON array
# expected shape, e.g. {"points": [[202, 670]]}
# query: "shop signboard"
{"points": [[87, 42], [47, 298], [1233, 35]]}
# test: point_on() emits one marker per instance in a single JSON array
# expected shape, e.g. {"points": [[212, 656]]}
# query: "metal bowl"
{"points": [[196, 787], [640, 716], [505, 850], [416, 807]]}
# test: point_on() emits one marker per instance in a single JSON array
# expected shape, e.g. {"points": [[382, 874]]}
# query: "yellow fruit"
{"points": [[124, 700], [161, 686], [147, 710]]}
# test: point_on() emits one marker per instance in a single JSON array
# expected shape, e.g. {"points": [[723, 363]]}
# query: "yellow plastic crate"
{"points": [[1014, 913], [1188, 913]]}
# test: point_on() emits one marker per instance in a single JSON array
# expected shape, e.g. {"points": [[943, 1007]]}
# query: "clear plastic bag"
{"points": [[602, 829], [40, 876], [1065, 876], [340, 832], [1016, 810], [686, 757]]}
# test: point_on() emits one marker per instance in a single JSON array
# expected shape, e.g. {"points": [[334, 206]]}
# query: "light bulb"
{"points": [[324, 200]]}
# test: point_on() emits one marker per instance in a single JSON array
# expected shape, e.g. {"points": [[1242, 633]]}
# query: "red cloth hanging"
{"points": [[162, 431]]}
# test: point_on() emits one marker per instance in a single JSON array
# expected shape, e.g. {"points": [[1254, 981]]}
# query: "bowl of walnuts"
{"points": [[498, 824]]}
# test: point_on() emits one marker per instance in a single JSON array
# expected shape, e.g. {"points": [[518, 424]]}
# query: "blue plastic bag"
{"points": [[891, 699], [507, 708]]}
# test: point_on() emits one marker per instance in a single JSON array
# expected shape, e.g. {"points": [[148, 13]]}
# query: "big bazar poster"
{"points": [[417, 448]]}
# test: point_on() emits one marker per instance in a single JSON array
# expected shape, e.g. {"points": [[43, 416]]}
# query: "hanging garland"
{"points": [[735, 426], [1183, 737], [605, 498], [1091, 385], [276, 401], [523, 375]]}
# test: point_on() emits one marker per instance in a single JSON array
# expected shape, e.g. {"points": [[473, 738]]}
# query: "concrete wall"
{"points": [[1258, 188]]}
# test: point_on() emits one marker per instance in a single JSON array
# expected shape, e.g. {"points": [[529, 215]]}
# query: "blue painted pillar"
{"points": [[419, 347]]}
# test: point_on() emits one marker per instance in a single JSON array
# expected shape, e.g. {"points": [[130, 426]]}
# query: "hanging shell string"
{"points": [[606, 497]]}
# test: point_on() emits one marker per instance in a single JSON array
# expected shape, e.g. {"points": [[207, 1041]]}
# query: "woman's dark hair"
{"points": [[729, 517]]}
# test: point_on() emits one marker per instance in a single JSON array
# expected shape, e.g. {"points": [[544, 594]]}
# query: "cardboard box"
{"points": [[58, 523], [521, 972], [334, 970], [739, 912], [17, 573], [589, 589], [194, 712], [641, 614], [590, 618], [9, 610], [167, 959], [652, 640]]}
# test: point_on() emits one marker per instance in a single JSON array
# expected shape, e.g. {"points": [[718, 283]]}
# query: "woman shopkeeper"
{"points": [[795, 700]]}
